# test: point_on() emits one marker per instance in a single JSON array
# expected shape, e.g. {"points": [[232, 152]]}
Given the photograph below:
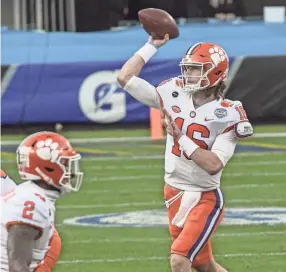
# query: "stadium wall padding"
{"points": [[88, 92]]}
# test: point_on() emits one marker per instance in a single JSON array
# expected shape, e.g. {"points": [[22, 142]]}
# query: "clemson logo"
{"points": [[217, 55], [47, 150]]}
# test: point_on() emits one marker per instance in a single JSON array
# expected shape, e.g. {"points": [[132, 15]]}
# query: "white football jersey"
{"points": [[7, 184], [27, 204], [203, 125]]}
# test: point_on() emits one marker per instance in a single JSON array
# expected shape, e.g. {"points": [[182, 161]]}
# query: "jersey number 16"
{"points": [[194, 127]]}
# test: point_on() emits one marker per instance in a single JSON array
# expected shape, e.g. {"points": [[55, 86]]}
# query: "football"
{"points": [[158, 22]]}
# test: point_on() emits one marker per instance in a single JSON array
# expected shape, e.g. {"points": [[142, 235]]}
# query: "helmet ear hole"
{"points": [[33, 144], [49, 169], [218, 72]]}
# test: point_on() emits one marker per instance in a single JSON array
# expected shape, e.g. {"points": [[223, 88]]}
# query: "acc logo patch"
{"points": [[220, 113], [159, 218]]}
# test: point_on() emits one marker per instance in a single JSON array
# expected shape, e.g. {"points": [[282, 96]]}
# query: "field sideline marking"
{"points": [[227, 187], [151, 166], [156, 203], [150, 177], [138, 139], [140, 240], [155, 258], [158, 157], [161, 157]]}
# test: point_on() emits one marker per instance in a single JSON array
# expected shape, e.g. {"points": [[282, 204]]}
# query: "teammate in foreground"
{"points": [[203, 129], [51, 257], [50, 167]]}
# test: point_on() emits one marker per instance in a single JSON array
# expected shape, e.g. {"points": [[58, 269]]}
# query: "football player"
{"points": [[49, 167], [203, 129]]}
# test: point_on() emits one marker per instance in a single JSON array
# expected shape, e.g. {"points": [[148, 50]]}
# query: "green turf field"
{"points": [[127, 176]]}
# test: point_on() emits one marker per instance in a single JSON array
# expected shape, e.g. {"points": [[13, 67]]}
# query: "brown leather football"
{"points": [[158, 22]]}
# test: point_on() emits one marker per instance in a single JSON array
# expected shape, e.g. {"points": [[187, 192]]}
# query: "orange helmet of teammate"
{"points": [[50, 157], [203, 66]]}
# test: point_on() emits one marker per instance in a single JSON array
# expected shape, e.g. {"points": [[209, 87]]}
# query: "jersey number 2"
{"points": [[28, 210], [194, 127]]}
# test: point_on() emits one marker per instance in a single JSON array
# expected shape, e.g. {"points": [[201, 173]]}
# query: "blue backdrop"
{"points": [[82, 87], [245, 39], [80, 92]]}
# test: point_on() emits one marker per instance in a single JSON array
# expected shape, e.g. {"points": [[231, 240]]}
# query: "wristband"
{"points": [[187, 145], [147, 51]]}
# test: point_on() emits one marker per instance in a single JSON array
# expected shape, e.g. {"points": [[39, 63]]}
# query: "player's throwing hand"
{"points": [[158, 42], [170, 125]]}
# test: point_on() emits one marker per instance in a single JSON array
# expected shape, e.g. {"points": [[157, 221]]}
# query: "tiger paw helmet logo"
{"points": [[47, 150], [217, 55]]}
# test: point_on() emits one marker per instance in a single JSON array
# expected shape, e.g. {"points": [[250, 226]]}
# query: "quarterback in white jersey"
{"points": [[203, 129], [50, 167]]}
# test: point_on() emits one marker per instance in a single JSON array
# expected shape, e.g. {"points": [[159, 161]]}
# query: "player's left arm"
{"points": [[212, 161], [53, 254], [26, 217], [21, 239]]}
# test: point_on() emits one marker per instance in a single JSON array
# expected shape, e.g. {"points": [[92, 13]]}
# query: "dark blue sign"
{"points": [[79, 92]]}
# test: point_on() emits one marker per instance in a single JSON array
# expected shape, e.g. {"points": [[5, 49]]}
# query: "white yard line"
{"points": [[269, 135], [156, 239], [257, 185], [129, 204], [137, 139], [152, 177], [152, 166], [155, 258], [124, 178], [149, 190], [257, 200], [155, 203], [161, 157]]}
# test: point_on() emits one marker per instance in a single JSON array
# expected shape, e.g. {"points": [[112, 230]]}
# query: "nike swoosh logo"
{"points": [[206, 119]]}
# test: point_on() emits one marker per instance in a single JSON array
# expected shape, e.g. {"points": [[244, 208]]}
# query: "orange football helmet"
{"points": [[212, 62], [50, 157]]}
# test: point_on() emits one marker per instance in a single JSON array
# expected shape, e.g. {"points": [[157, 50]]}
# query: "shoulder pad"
{"points": [[27, 207], [235, 115], [7, 185], [165, 81], [226, 103], [166, 85], [235, 110]]}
